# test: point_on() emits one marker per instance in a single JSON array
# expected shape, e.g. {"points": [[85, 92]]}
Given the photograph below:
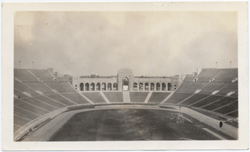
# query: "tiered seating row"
{"points": [[218, 103], [192, 99], [43, 74], [138, 96], [222, 82], [114, 96], [96, 97], [75, 97], [24, 75], [227, 75], [207, 74], [158, 97], [233, 106], [178, 97], [60, 86]]}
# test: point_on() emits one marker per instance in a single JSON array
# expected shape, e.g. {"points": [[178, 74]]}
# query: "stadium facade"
{"points": [[126, 81]]}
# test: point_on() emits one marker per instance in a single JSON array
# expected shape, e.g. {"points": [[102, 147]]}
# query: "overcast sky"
{"points": [[150, 43]]}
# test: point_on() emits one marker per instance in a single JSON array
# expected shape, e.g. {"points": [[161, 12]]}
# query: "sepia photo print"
{"points": [[142, 73]]}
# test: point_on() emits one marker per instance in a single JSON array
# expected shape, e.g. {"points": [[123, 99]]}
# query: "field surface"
{"points": [[130, 125]]}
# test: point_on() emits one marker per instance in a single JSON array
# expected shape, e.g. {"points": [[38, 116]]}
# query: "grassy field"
{"points": [[129, 125]]}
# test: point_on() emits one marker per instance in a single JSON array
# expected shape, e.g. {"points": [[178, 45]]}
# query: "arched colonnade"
{"points": [[137, 86]]}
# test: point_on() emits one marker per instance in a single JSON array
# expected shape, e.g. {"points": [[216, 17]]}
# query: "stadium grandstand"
{"points": [[45, 105]]}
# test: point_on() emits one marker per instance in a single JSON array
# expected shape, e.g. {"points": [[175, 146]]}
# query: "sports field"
{"points": [[131, 124]]}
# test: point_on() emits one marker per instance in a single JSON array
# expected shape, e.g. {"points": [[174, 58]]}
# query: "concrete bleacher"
{"points": [[19, 94], [193, 98], [24, 75], [190, 86], [138, 96], [30, 107], [40, 87], [218, 103], [20, 121], [227, 75], [23, 88], [75, 97], [96, 97], [233, 106], [213, 85], [158, 97], [205, 101], [57, 97], [177, 97], [41, 103], [114, 96], [60, 86], [233, 114], [51, 102], [227, 88], [206, 74], [43, 74], [25, 113]]}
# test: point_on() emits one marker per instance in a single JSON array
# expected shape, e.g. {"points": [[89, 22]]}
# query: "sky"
{"points": [[150, 43]]}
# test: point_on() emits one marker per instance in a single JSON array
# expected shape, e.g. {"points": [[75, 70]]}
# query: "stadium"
{"points": [[202, 106], [126, 76]]}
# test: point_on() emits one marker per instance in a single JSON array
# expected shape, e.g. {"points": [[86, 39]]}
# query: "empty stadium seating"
{"points": [[43, 74], [138, 96], [209, 91], [178, 97], [193, 98], [34, 98], [24, 75], [207, 74], [75, 97], [205, 101], [114, 96], [158, 97], [227, 75], [60, 86], [95, 97], [218, 103]]}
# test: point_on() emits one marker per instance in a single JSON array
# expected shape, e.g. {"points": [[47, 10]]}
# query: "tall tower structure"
{"points": [[125, 79]]}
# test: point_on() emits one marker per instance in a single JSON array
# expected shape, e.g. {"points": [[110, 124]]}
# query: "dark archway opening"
{"points": [[163, 86], [152, 86], [158, 87], [104, 86], [135, 86], [125, 84], [81, 87], [92, 87], [169, 86], [98, 86], [146, 86], [141, 86], [87, 86], [115, 86], [109, 86]]}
